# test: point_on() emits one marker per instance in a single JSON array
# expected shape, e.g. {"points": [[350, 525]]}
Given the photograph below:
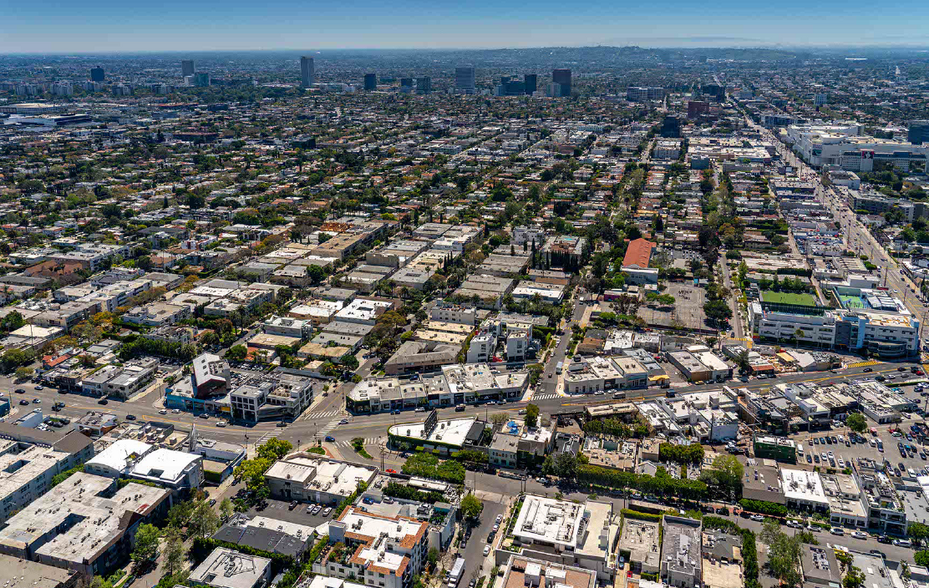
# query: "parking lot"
{"points": [[843, 452], [279, 509]]}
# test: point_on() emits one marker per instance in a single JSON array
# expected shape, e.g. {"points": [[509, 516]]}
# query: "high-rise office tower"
{"points": [[97, 74], [406, 84], [423, 85], [187, 68], [531, 82], [465, 81], [562, 77], [307, 72], [202, 80], [918, 132], [370, 82]]}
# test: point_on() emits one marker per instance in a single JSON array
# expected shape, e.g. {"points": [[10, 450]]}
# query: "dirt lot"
{"points": [[687, 311]]}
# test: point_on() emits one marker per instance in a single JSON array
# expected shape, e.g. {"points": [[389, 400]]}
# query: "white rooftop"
{"points": [[549, 521]]}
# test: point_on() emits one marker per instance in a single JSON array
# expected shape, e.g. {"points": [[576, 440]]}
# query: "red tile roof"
{"points": [[638, 253]]}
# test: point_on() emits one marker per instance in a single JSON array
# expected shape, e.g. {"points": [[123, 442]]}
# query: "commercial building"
{"points": [[307, 72], [918, 132], [803, 489], [777, 448], [318, 480], [644, 93], [580, 535], [187, 67], [465, 80], [97, 74], [843, 146], [420, 356], [562, 79], [370, 82], [443, 436], [86, 523], [225, 568]]}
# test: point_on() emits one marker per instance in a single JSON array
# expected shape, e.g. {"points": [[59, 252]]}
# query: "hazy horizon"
{"points": [[108, 26]]}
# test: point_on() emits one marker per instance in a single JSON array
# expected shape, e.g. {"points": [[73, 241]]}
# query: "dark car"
{"points": [[103, 401], [868, 370], [20, 391], [24, 402], [293, 505], [130, 417], [722, 510], [330, 438]]}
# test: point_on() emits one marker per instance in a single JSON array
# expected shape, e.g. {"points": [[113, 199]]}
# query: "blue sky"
{"points": [[166, 25]]}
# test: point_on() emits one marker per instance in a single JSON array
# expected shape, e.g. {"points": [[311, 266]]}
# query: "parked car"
{"points": [[756, 517], [486, 550], [837, 531], [327, 511], [859, 535]]}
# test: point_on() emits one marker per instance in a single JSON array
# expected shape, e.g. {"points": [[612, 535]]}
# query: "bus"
{"points": [[559, 367]]}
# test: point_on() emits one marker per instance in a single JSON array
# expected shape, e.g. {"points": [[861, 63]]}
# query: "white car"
{"points": [[486, 550], [221, 424], [859, 535], [794, 524], [162, 411], [837, 531], [757, 518]]}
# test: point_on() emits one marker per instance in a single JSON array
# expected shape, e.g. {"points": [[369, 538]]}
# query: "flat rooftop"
{"points": [[78, 505], [22, 573], [641, 540], [325, 475], [549, 521], [450, 432], [225, 568]]}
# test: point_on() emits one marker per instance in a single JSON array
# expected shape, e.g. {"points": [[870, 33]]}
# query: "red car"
{"points": [[391, 471]]}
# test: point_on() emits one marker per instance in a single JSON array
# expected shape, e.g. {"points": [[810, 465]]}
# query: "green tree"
{"points": [[146, 544], [225, 508], [856, 422], [783, 553], [532, 416], [433, 557], [203, 520], [498, 418], [471, 507], [726, 474], [918, 532], [274, 449], [174, 552], [24, 373], [349, 361], [854, 578], [565, 465], [237, 353]]}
